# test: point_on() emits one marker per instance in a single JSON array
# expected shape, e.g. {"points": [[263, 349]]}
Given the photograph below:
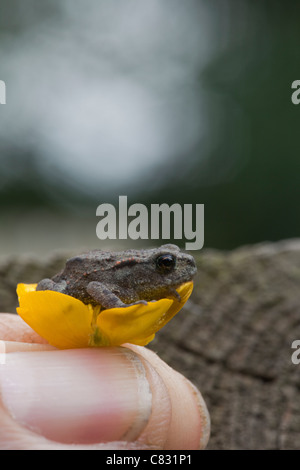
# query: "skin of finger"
{"points": [[12, 346], [13, 328], [189, 426], [175, 422], [154, 436], [14, 437]]}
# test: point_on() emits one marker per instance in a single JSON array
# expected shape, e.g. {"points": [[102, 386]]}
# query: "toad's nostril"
{"points": [[191, 261]]}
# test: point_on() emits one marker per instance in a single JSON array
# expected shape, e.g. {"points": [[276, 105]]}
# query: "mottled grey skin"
{"points": [[123, 278]]}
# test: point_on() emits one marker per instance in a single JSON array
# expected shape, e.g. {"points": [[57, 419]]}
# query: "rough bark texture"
{"points": [[233, 339]]}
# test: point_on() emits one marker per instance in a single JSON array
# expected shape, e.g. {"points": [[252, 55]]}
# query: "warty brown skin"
{"points": [[119, 279]]}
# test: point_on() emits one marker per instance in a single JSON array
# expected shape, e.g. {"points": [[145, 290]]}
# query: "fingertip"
{"points": [[13, 328], [182, 417], [204, 415], [78, 396]]}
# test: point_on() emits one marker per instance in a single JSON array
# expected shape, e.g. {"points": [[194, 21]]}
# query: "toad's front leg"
{"points": [[107, 299]]}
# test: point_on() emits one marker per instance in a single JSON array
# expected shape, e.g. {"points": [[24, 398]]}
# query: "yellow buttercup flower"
{"points": [[66, 322]]}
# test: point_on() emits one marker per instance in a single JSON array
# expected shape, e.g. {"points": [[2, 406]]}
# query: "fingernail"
{"points": [[79, 396]]}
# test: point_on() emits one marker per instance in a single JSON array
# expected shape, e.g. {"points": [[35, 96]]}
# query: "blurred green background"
{"points": [[170, 101]]}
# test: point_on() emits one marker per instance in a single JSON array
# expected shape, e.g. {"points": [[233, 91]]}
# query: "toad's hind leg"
{"points": [[106, 298], [48, 284]]}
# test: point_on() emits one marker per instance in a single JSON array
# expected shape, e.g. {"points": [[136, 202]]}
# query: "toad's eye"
{"points": [[165, 263]]}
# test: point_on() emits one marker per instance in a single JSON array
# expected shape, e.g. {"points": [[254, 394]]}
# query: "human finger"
{"points": [[106, 398]]}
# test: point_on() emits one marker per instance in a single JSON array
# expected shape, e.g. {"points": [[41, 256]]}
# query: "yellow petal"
{"points": [[139, 323], [63, 321], [23, 288], [66, 322], [134, 323], [184, 291]]}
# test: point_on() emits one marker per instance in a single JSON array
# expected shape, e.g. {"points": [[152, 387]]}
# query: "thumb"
{"points": [[105, 398]]}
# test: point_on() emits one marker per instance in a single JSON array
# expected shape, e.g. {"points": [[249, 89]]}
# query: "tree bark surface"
{"points": [[232, 339]]}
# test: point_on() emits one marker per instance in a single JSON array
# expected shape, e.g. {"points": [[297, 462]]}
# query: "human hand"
{"points": [[96, 398]]}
